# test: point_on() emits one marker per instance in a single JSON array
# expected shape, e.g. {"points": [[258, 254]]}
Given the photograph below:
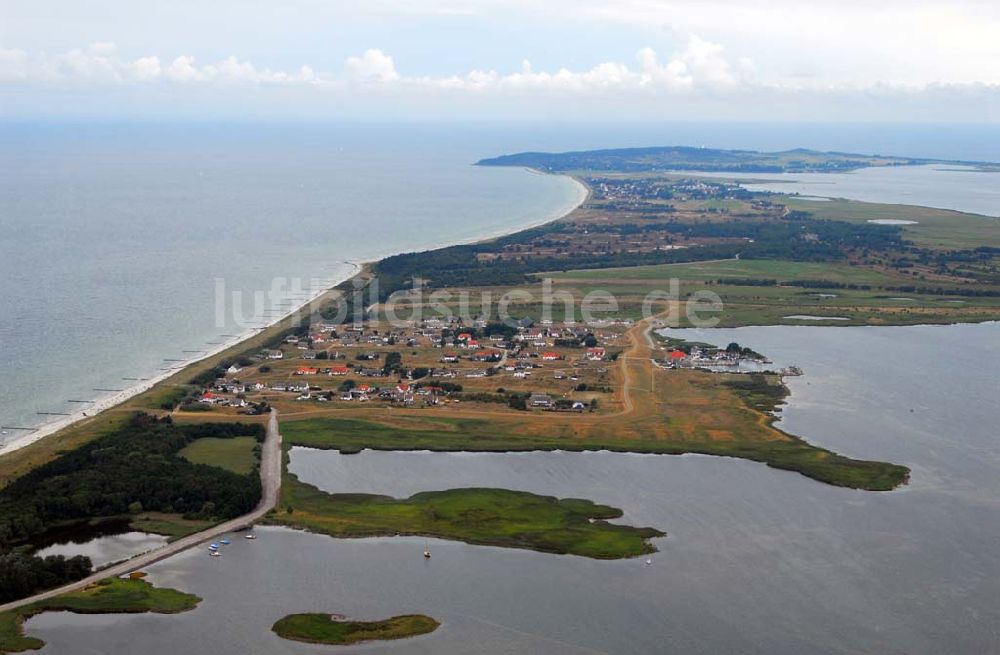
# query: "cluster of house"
{"points": [[699, 356], [514, 351], [328, 370], [403, 393], [544, 401], [449, 332], [214, 398]]}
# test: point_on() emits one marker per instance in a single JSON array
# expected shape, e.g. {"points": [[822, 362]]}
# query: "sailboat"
{"points": [[427, 551]]}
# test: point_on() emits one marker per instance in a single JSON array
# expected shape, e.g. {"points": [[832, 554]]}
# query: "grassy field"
{"points": [[110, 596], [739, 268], [491, 517], [173, 526], [237, 454], [165, 396], [935, 228], [325, 629], [770, 305]]}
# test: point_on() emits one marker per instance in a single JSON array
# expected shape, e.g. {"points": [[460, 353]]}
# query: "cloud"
{"points": [[699, 65], [13, 64], [145, 69], [100, 64], [373, 66], [698, 68], [183, 69]]}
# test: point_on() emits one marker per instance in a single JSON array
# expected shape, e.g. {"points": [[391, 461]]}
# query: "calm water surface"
{"points": [[756, 560], [945, 187], [107, 549]]}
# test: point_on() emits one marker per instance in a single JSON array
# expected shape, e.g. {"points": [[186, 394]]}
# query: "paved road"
{"points": [[270, 478]]}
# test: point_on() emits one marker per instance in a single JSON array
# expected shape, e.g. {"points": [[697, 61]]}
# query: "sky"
{"points": [[567, 60]]}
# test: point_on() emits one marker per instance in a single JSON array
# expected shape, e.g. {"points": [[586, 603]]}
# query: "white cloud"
{"points": [[145, 69], [700, 71], [896, 41], [183, 69], [700, 65], [100, 64], [373, 66], [13, 64]]}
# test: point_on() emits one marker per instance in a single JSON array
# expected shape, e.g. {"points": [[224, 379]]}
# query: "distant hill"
{"points": [[685, 158]]}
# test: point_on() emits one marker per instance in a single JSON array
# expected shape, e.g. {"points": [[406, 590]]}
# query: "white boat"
{"points": [[249, 535], [214, 553]]}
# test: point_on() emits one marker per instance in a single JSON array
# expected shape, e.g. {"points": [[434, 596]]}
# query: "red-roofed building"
{"points": [[551, 357], [677, 355]]}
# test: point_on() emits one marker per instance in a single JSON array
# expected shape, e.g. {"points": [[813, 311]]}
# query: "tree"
{"points": [[517, 401]]}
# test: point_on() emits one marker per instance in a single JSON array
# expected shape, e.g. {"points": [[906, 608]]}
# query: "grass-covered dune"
{"points": [[110, 596], [236, 454], [490, 517], [326, 629]]}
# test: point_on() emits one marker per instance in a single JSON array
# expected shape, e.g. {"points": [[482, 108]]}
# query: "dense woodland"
{"points": [[135, 468], [799, 239]]}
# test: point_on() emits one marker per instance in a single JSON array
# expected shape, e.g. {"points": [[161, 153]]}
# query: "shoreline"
{"points": [[105, 403], [109, 402]]}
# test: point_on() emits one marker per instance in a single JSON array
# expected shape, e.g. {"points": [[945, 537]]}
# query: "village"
{"points": [[431, 363]]}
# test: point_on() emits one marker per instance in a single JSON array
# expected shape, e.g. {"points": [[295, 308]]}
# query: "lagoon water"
{"points": [[107, 549], [941, 186], [756, 560]]}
